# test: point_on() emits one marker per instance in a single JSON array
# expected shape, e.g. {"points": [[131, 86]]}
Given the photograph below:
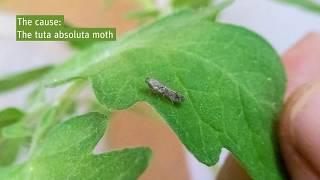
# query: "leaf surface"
{"points": [[232, 80], [9, 116], [190, 3], [67, 153], [9, 148]]}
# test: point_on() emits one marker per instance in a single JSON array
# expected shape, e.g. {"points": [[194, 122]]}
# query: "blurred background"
{"points": [[281, 24]]}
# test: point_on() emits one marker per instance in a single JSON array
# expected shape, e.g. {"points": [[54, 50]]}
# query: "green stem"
{"points": [[55, 114]]}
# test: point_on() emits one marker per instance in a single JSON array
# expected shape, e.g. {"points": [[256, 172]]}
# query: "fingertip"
{"points": [[300, 131], [302, 62]]}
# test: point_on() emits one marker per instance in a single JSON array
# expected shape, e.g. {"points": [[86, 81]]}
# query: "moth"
{"points": [[160, 88]]}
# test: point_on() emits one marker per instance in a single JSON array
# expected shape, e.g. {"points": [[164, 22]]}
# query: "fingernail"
{"points": [[305, 126]]}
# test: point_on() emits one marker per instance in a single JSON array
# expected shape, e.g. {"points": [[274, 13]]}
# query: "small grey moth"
{"points": [[160, 88]]}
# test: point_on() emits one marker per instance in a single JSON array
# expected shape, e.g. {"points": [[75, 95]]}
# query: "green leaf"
{"points": [[9, 116], [232, 79], [10, 82], [25, 127], [9, 148], [81, 44], [47, 122], [67, 153], [17, 130], [190, 3], [310, 5], [11, 125], [78, 44], [143, 14]]}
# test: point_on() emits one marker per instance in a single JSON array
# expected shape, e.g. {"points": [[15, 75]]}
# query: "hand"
{"points": [[299, 127]]}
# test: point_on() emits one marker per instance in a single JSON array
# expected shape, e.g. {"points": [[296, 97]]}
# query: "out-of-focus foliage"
{"points": [[190, 3], [310, 5], [9, 147], [17, 80]]}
